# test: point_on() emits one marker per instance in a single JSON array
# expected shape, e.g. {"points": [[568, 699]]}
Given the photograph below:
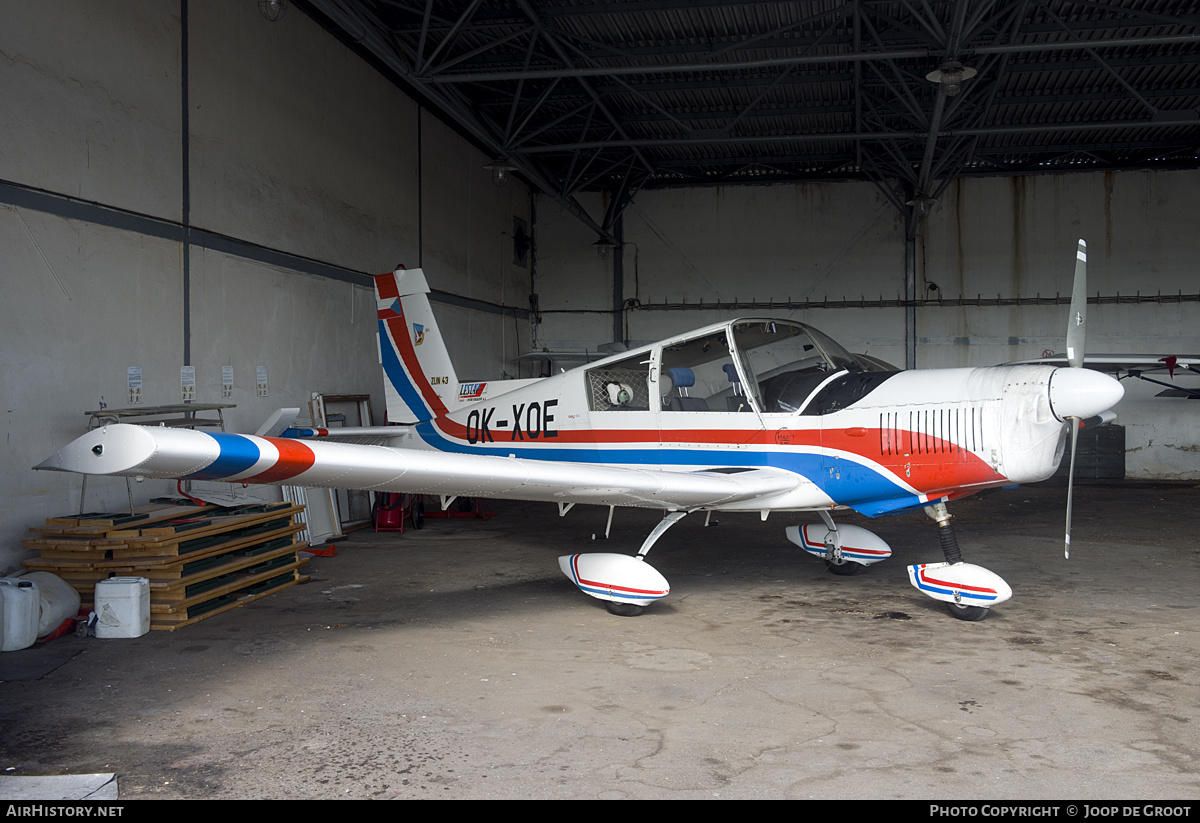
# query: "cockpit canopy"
{"points": [[769, 366]]}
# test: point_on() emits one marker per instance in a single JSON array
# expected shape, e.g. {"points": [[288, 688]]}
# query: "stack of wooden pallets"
{"points": [[200, 560]]}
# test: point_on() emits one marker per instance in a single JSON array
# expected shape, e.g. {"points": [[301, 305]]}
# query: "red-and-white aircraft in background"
{"points": [[751, 415]]}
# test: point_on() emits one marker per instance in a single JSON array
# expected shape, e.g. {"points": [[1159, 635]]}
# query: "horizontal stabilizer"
{"points": [[373, 435], [278, 422]]}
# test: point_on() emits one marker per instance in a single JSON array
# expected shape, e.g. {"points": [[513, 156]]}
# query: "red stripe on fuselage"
{"points": [[939, 468], [294, 458], [938, 465]]}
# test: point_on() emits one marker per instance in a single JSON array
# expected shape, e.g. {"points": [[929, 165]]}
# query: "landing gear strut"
{"points": [[966, 589]]}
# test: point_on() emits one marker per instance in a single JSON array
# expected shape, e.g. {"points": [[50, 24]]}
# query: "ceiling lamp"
{"points": [[500, 169], [950, 76], [603, 246], [273, 10], [921, 206]]}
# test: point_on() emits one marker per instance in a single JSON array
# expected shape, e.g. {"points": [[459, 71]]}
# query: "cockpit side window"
{"points": [[620, 386], [699, 375]]}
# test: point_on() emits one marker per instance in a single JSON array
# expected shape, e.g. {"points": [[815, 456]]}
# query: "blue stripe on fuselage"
{"points": [[862, 488]]}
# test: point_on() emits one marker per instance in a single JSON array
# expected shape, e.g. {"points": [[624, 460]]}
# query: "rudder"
{"points": [[418, 375]]}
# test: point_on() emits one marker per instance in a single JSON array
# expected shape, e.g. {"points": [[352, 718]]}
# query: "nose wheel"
{"points": [[967, 590]]}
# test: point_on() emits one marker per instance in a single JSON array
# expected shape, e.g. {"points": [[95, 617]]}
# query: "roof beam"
{"points": [[649, 69]]}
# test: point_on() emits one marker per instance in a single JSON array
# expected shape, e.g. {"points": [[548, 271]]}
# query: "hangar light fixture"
{"points": [[500, 169], [273, 10], [603, 246], [950, 76], [921, 206]]}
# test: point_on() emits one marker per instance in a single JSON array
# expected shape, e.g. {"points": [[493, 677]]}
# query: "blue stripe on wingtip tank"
{"points": [[237, 454]]}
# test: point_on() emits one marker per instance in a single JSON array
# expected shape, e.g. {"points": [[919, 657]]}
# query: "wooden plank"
{"points": [[62, 549], [178, 551], [185, 539], [230, 548], [168, 574], [176, 600], [110, 525], [173, 622]]}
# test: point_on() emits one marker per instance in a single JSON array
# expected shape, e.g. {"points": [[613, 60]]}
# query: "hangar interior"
{"points": [[207, 187], [197, 185]]}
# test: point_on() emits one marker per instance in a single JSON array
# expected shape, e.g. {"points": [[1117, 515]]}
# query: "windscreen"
{"points": [[785, 362]]}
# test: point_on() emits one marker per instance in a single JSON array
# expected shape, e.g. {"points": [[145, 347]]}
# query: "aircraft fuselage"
{"points": [[877, 441]]}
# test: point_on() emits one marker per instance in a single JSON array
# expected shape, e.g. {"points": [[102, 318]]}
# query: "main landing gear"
{"points": [[967, 590], [626, 584], [846, 550]]}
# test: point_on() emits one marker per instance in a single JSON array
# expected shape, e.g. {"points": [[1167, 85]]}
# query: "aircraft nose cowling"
{"points": [[1083, 393]]}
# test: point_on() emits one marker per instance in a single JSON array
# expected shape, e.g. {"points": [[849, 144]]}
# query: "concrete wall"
{"points": [[721, 245], [1015, 236], [996, 236], [295, 146]]}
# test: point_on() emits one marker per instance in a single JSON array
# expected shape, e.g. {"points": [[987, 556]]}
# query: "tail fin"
{"points": [[418, 376]]}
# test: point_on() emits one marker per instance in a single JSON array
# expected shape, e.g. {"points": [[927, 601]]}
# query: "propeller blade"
{"points": [[1076, 328], [1071, 485]]}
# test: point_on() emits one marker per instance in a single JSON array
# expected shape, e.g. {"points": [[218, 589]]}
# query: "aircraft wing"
{"points": [[140, 451]]}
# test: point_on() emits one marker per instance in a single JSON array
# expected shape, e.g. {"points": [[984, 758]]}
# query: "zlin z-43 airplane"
{"points": [[751, 415]]}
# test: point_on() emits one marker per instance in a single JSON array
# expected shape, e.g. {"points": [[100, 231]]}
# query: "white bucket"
{"points": [[21, 607], [122, 607]]}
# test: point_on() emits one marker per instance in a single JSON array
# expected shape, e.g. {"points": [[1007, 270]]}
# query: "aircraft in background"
{"points": [[1136, 366], [753, 415]]}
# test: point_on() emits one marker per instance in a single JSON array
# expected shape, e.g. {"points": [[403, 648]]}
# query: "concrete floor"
{"points": [[457, 662]]}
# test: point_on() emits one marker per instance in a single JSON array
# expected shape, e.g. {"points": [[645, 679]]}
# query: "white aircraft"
{"points": [[751, 415]]}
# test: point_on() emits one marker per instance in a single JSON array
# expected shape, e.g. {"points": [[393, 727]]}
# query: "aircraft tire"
{"points": [[623, 609], [418, 514], [971, 613], [847, 568]]}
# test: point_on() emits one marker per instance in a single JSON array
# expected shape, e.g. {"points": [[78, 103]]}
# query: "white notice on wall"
{"points": [[133, 383], [226, 382], [260, 376], [187, 383]]}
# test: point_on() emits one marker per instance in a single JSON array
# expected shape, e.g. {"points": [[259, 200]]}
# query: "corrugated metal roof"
{"points": [[643, 93]]}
